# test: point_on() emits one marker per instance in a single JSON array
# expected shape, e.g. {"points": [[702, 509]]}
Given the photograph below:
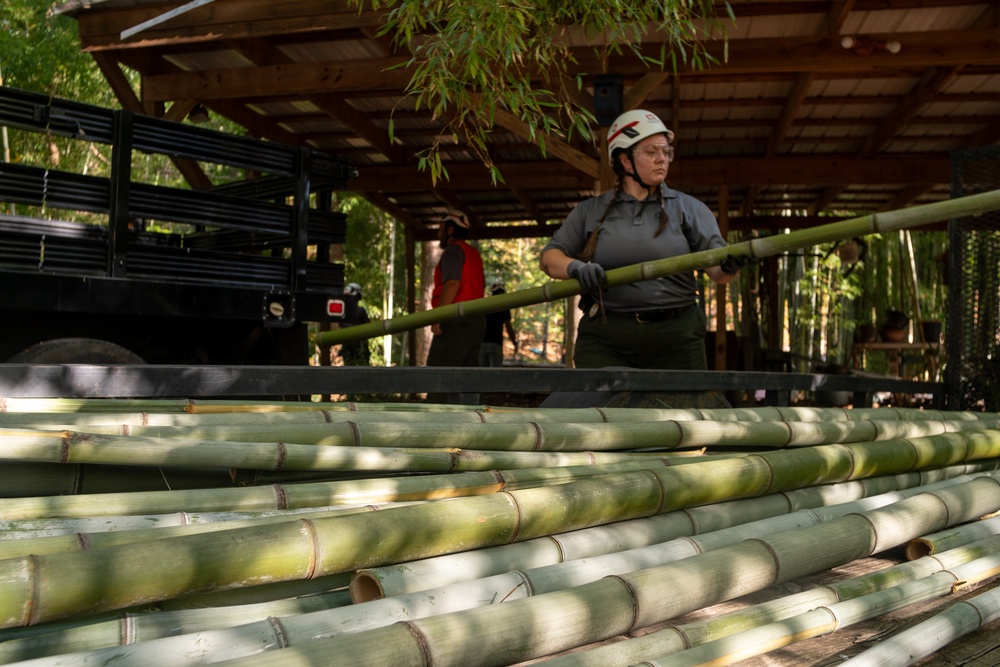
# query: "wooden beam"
{"points": [[816, 170], [746, 56], [553, 145]]}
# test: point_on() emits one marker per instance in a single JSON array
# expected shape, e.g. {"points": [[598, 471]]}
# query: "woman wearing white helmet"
{"points": [[651, 323]]}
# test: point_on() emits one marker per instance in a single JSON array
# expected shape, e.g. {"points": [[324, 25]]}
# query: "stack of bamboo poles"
{"points": [[187, 533]]}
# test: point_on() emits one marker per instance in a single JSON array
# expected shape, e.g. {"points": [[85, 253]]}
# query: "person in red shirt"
{"points": [[457, 277]]}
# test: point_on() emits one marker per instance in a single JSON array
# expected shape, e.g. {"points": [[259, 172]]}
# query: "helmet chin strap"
{"points": [[634, 173]]}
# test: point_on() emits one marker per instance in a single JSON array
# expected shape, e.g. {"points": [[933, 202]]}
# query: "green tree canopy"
{"points": [[473, 58]]}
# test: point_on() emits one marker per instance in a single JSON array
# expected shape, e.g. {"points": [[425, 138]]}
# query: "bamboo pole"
{"points": [[725, 522], [71, 448], [52, 587], [832, 617], [137, 628], [756, 248], [938, 542], [208, 646], [676, 638], [546, 624], [923, 639]]}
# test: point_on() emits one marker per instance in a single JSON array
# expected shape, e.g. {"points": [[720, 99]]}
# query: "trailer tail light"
{"points": [[335, 308]]}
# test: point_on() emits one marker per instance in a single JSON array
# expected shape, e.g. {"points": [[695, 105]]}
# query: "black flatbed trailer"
{"points": [[138, 272]]}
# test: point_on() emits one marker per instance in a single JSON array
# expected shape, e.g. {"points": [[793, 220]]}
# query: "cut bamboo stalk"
{"points": [[63, 447], [923, 639], [210, 646], [676, 638], [135, 628], [56, 586], [277, 496], [948, 539], [829, 618], [756, 248], [84, 541], [440, 571], [514, 632]]}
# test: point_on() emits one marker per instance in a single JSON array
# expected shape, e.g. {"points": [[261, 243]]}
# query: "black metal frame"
{"points": [[251, 249], [166, 381]]}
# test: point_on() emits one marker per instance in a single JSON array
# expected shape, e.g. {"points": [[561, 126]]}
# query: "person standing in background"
{"points": [[457, 277], [491, 352], [355, 352]]}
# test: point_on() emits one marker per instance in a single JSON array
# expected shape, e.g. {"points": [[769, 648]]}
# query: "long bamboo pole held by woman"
{"points": [[913, 216]]}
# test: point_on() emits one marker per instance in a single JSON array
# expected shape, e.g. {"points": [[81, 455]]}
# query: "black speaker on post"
{"points": [[608, 92]]}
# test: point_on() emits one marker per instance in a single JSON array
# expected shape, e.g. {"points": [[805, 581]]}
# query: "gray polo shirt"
{"points": [[627, 237]]}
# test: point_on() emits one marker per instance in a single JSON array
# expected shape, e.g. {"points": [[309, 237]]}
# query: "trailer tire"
{"points": [[76, 351]]}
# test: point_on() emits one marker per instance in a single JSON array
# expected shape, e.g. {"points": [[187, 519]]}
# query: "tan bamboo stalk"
{"points": [[70, 447], [641, 539], [947, 539], [923, 639], [676, 638], [52, 587], [830, 618], [277, 496], [546, 624], [848, 461], [757, 248], [133, 628], [19, 479], [209, 646], [537, 436], [9, 404], [81, 540]]}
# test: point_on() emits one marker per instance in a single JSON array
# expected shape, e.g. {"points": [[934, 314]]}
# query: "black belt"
{"points": [[646, 316]]}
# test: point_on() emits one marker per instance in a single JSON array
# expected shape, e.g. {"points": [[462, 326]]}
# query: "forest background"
{"points": [[828, 295]]}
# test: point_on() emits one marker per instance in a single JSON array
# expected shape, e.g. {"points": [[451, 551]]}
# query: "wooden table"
{"points": [[894, 354]]}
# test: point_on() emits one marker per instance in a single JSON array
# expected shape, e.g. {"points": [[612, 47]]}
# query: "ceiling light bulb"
{"points": [[893, 46], [848, 42]]}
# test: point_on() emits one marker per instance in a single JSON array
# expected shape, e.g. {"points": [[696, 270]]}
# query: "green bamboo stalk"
{"points": [[135, 628], [931, 544], [756, 248], [546, 624], [676, 638], [209, 646], [923, 639], [829, 618], [720, 520], [526, 436], [53, 587], [277, 496], [70, 448]]}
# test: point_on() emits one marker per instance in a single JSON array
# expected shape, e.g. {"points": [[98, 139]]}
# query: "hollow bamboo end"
{"points": [[365, 588], [918, 548]]}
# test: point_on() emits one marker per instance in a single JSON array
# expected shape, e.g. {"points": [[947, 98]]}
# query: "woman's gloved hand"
{"points": [[591, 276], [733, 263]]}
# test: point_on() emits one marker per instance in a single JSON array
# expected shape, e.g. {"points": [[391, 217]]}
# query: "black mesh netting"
{"points": [[973, 340]]}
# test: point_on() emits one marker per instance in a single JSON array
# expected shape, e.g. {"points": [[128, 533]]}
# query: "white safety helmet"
{"points": [[632, 127], [456, 218], [352, 289]]}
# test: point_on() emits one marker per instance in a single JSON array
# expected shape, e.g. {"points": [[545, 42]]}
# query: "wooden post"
{"points": [[720, 290]]}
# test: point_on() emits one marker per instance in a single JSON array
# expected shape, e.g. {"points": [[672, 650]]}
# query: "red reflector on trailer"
{"points": [[335, 307]]}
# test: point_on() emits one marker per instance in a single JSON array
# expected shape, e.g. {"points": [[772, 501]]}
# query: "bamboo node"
{"points": [[959, 585]]}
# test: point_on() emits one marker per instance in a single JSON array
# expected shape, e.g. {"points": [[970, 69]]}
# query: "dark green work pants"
{"points": [[621, 339]]}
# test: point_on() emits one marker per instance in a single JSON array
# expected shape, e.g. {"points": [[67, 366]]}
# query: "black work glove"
{"points": [[590, 275], [733, 263]]}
